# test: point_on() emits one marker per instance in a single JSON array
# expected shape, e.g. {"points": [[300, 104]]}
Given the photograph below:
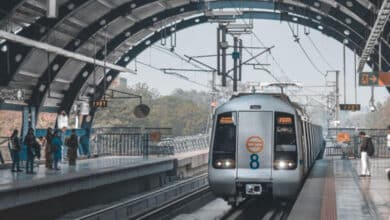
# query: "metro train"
{"points": [[261, 144]]}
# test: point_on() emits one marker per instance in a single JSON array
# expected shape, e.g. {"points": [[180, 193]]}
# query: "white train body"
{"points": [[261, 144]]}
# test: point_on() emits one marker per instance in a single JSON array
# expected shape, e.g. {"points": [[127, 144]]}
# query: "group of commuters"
{"points": [[53, 149]]}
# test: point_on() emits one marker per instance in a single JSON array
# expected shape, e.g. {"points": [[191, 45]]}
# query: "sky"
{"points": [[201, 40]]}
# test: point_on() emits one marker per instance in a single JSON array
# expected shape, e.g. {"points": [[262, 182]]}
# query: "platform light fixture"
{"points": [[4, 48], [52, 9]]}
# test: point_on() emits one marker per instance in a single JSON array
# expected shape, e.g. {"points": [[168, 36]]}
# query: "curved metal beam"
{"points": [[39, 29], [340, 37], [87, 70], [82, 76], [46, 72], [49, 74], [9, 6], [74, 5], [36, 31], [126, 58]]}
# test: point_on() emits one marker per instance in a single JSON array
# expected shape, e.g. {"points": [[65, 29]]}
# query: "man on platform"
{"points": [[62, 124]]}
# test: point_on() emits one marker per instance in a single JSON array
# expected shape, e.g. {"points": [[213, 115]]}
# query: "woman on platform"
{"points": [[72, 144], [56, 144], [48, 158]]}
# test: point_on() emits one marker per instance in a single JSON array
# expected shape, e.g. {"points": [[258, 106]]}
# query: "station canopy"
{"points": [[124, 28]]}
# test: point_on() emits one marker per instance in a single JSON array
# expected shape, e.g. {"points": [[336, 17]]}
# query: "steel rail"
{"points": [[200, 191], [142, 197]]}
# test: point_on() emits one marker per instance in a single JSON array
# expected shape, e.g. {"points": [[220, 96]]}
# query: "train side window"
{"points": [[225, 133]]}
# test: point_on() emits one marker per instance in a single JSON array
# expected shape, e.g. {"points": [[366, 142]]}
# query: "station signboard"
{"points": [[350, 107], [100, 103], [374, 78], [343, 137]]}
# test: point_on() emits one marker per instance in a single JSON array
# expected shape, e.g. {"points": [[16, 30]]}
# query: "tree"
{"points": [[186, 112]]}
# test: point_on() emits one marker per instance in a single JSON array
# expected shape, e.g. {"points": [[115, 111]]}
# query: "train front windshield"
{"points": [[285, 153], [224, 148]]}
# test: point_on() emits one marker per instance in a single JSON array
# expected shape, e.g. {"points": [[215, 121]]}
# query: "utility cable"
{"points": [[176, 55], [319, 52], [263, 45], [304, 52], [258, 62], [177, 76]]}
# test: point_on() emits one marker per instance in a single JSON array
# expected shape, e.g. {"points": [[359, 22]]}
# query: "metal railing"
{"points": [[133, 144], [142, 142], [186, 143], [351, 149], [4, 152], [134, 141]]}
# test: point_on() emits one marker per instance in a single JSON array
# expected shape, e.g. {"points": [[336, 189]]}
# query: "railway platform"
{"points": [[92, 181], [334, 190]]}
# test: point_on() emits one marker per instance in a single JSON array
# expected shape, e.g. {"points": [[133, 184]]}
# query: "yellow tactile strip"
{"points": [[329, 206]]}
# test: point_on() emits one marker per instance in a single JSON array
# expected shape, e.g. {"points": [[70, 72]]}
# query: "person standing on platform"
{"points": [[49, 138], [72, 144], [388, 138], [365, 162], [15, 147], [62, 123], [56, 144], [388, 149], [84, 142], [29, 141]]}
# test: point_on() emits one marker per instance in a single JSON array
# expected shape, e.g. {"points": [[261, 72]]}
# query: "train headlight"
{"points": [[284, 164], [224, 164]]}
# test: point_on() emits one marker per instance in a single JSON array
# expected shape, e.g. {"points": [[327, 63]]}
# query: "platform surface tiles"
{"points": [[334, 190], [9, 180]]}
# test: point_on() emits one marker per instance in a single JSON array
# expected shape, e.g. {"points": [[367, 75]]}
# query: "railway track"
{"points": [[171, 209], [146, 205], [189, 201], [260, 208]]}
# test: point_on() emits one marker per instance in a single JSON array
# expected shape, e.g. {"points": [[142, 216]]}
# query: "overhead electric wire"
{"points": [[319, 52], [177, 76], [273, 58], [305, 53], [263, 45], [258, 62], [176, 55]]}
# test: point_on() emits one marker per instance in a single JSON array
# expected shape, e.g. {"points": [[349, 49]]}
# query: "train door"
{"points": [[254, 146]]}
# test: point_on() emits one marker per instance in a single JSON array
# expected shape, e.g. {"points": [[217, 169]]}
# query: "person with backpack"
{"points": [[30, 142], [366, 150], [72, 144], [15, 147]]}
